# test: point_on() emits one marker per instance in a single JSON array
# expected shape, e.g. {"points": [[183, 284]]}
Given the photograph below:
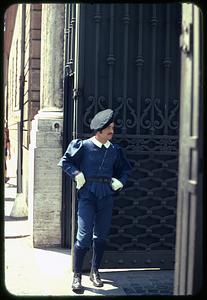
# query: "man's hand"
{"points": [[80, 180], [116, 184]]}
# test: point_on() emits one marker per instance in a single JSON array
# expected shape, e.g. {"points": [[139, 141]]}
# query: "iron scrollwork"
{"points": [[152, 119]]}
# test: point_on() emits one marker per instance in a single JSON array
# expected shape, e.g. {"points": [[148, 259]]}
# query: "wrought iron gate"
{"points": [[128, 59]]}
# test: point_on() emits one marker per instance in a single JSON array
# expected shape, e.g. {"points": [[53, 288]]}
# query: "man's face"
{"points": [[107, 133]]}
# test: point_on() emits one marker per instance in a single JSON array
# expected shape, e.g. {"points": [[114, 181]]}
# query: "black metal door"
{"points": [[128, 59]]}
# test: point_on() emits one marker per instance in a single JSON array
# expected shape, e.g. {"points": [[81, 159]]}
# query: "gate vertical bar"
{"points": [[67, 133], [126, 20], [74, 127], [78, 86], [139, 63], [97, 19], [167, 65], [154, 22], [111, 58]]}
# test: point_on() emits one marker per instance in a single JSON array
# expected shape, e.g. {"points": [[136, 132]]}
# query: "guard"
{"points": [[99, 169]]}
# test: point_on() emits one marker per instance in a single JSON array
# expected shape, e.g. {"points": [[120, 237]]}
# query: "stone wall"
{"points": [[46, 150]]}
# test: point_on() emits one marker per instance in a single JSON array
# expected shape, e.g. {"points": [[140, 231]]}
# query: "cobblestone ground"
{"points": [[147, 282]]}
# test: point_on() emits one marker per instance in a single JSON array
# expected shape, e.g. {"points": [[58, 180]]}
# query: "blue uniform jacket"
{"points": [[85, 156]]}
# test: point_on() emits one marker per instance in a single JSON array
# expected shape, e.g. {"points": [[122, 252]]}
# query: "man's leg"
{"points": [[86, 212], [101, 228], [98, 251], [79, 254]]}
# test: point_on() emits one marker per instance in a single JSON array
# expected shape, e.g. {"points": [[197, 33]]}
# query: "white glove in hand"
{"points": [[116, 184], [80, 180]]}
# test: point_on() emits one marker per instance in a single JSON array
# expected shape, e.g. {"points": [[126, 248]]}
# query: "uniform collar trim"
{"points": [[99, 144]]}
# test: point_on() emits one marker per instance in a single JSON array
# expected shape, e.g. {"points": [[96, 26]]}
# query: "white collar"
{"points": [[99, 144]]}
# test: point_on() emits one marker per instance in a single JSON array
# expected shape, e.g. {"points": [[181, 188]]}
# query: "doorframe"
{"points": [[189, 226]]}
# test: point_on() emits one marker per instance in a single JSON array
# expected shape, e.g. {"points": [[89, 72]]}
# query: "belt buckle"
{"points": [[107, 180]]}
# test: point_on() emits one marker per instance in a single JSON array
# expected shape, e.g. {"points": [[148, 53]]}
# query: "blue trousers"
{"points": [[94, 220]]}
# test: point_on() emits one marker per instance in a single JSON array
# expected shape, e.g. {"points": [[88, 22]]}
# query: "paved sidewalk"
{"points": [[13, 227], [43, 272]]}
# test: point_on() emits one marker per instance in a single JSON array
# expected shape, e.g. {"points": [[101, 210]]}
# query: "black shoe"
{"points": [[95, 278], [76, 285]]}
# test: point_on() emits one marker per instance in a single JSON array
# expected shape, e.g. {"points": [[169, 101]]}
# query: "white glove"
{"points": [[80, 180], [116, 184]]}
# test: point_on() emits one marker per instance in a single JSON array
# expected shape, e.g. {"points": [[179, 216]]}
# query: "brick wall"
{"points": [[32, 67], [13, 85]]}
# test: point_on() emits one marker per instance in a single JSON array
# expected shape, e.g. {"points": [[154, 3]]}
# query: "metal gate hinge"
{"points": [[76, 94], [186, 38]]}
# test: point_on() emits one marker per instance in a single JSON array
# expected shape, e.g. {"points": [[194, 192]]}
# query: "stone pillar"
{"points": [[52, 53], [46, 135]]}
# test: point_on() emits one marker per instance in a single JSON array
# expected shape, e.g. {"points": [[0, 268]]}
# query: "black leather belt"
{"points": [[99, 179]]}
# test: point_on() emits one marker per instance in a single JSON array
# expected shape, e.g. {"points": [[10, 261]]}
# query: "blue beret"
{"points": [[102, 119]]}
